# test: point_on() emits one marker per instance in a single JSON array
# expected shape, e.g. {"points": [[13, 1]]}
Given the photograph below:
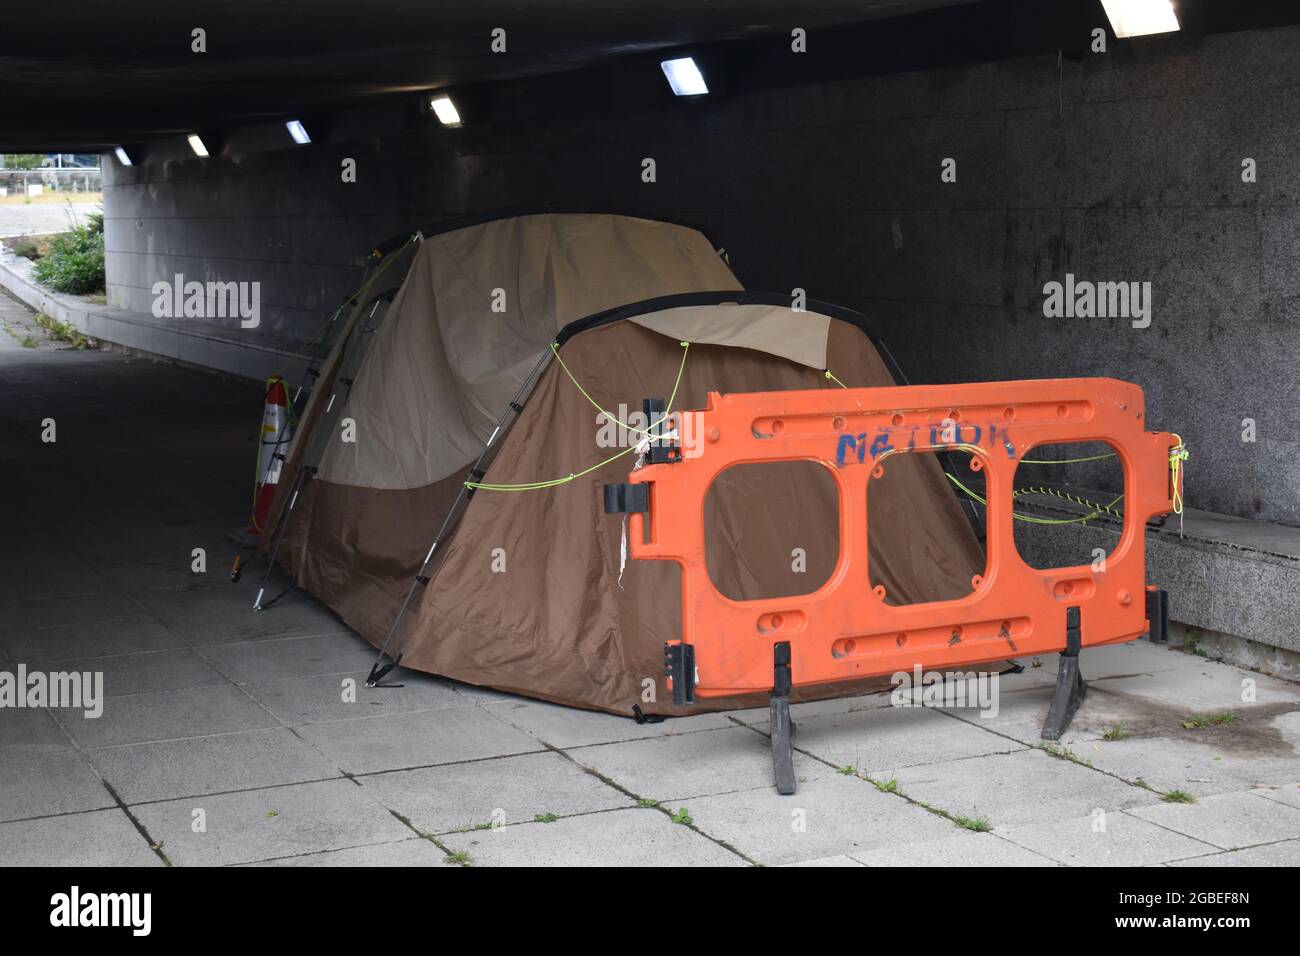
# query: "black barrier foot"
{"points": [[1070, 685], [782, 727], [782, 744]]}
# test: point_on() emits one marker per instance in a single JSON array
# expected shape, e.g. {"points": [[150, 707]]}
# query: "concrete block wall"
{"points": [[1123, 166]]}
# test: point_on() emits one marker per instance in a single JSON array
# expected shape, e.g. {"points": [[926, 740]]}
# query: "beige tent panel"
{"points": [[776, 330], [479, 305]]}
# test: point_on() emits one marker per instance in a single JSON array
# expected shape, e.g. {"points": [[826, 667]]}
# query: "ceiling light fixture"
{"points": [[298, 132], [1135, 18], [684, 77], [196, 144], [445, 110]]}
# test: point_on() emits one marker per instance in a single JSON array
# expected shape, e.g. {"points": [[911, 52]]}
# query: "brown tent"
{"points": [[524, 591]]}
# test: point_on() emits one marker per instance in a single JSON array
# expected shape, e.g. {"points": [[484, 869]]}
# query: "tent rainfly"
{"points": [[539, 336]]}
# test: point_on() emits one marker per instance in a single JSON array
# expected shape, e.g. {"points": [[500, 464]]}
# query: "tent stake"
{"points": [[379, 669]]}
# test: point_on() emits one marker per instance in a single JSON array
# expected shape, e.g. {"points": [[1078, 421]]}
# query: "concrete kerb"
{"points": [[188, 343]]}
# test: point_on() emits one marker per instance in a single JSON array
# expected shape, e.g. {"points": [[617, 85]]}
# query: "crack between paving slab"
{"points": [[642, 802], [929, 808], [153, 845]]}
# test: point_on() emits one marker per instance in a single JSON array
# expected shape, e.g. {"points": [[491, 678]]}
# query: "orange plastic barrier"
{"points": [[845, 630]]}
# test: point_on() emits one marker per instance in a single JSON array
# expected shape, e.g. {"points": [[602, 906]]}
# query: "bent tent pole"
{"points": [[379, 669], [304, 472]]}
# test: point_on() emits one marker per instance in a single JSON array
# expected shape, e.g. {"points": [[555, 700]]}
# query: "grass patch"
{"points": [[75, 262], [63, 332], [459, 857], [848, 770], [1063, 753], [545, 818], [683, 816], [647, 802], [1116, 733], [1198, 721], [886, 786], [978, 824], [1178, 796]]}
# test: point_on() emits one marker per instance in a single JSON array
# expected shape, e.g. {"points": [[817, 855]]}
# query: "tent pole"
{"points": [[379, 670], [283, 520]]}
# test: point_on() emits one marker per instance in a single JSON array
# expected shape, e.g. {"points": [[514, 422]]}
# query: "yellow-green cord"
{"points": [[1098, 509], [553, 482]]}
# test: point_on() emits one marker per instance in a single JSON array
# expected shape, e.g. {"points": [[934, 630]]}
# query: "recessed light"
{"points": [[1135, 18], [684, 77], [445, 110], [298, 132], [196, 144], [122, 156]]}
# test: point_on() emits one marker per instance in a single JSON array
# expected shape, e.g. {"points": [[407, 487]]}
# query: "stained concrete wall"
{"points": [[1122, 166]]}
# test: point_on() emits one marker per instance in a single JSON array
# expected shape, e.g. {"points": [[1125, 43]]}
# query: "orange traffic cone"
{"points": [[277, 431]]}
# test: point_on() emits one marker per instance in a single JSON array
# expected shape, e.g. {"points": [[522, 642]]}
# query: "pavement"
{"points": [[229, 737], [18, 218]]}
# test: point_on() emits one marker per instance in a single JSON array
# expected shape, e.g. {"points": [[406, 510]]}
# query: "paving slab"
{"points": [[300, 700], [828, 816], [175, 669], [225, 615], [1286, 853], [168, 769], [99, 838], [168, 715], [507, 790], [827, 861], [1021, 714], [1229, 821], [43, 784], [1019, 788], [637, 837], [416, 851], [96, 639], [566, 727], [23, 612], [759, 716], [1108, 839], [292, 657], [1176, 679], [425, 738], [1183, 764], [883, 739], [32, 730], [691, 765], [257, 825], [1288, 794], [964, 848]]}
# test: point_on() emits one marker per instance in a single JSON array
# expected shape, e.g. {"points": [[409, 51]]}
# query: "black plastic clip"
{"points": [[679, 667], [626, 498], [1157, 616], [661, 451], [423, 579]]}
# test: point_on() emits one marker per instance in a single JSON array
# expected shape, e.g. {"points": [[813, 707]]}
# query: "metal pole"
{"points": [[376, 671]]}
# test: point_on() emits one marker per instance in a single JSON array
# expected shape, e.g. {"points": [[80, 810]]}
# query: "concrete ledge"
{"points": [[1228, 575], [191, 341]]}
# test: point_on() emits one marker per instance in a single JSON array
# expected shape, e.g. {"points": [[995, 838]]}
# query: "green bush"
{"points": [[75, 262]]}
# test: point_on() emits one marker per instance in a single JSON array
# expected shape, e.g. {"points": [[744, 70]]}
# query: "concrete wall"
{"points": [[1125, 166]]}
